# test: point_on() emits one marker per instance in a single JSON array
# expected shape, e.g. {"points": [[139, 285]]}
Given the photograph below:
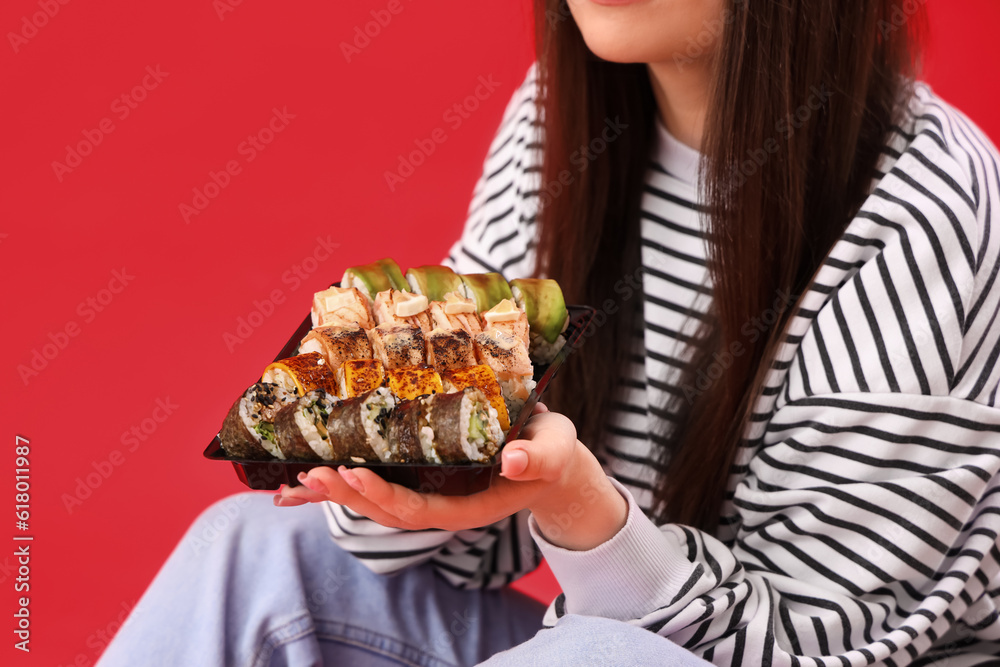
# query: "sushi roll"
{"points": [[337, 344], [433, 281], [486, 289], [375, 277], [543, 303], [482, 378], [358, 426], [301, 373], [248, 430], [409, 383], [449, 350], [359, 376], [458, 427], [397, 345], [342, 307], [510, 319], [456, 312], [403, 430], [300, 427], [507, 357], [396, 307]]}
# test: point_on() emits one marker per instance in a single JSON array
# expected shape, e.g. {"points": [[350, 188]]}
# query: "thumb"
{"points": [[536, 459]]}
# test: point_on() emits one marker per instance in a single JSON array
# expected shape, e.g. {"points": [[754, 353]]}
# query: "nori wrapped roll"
{"points": [[445, 428], [357, 427], [459, 427], [301, 427], [248, 430], [404, 433]]}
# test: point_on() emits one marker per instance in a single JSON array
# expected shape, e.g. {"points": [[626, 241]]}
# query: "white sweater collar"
{"points": [[678, 159]]}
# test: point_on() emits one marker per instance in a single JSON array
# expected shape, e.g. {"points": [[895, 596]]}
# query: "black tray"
{"points": [[449, 480]]}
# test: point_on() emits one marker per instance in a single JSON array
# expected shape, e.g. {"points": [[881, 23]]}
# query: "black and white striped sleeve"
{"points": [[496, 238], [501, 226], [864, 525], [487, 557]]}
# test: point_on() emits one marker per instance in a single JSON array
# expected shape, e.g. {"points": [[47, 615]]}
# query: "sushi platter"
{"points": [[420, 377]]}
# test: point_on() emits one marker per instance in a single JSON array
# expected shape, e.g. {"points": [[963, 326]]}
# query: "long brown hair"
{"points": [[813, 86]]}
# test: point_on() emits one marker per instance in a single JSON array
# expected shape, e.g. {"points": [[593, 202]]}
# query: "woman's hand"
{"points": [[546, 470]]}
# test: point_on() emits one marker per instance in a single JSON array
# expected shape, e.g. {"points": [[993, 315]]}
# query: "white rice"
{"points": [[515, 393], [466, 291], [351, 280], [427, 444], [379, 399], [272, 448], [280, 377], [496, 432], [414, 285], [248, 421], [478, 449], [469, 447], [304, 420], [543, 352]]}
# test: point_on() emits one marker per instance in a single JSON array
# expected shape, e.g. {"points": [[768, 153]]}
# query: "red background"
{"points": [[162, 336]]}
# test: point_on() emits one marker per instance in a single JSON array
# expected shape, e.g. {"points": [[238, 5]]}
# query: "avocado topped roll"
{"points": [[449, 350], [337, 344], [459, 427], [301, 373], [357, 427], [248, 430], [341, 307], [396, 307], [300, 427], [397, 345], [375, 277], [456, 312], [433, 281], [543, 303], [486, 289]]}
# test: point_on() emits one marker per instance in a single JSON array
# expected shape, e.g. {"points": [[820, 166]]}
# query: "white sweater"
{"points": [[863, 515]]}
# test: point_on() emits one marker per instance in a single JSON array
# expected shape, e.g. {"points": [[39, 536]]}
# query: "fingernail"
{"points": [[311, 483], [351, 479], [515, 461], [281, 501]]}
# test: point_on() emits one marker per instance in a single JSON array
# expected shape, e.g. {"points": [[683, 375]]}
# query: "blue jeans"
{"points": [[255, 585]]}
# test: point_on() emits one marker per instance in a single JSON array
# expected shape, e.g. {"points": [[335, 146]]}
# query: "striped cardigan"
{"points": [[863, 511]]}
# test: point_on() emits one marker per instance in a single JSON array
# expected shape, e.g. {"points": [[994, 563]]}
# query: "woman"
{"points": [[780, 445]]}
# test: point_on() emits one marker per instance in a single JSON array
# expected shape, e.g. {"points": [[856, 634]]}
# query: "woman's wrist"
{"points": [[584, 509]]}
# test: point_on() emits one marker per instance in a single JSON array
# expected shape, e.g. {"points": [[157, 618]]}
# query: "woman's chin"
{"points": [[650, 32], [625, 51]]}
